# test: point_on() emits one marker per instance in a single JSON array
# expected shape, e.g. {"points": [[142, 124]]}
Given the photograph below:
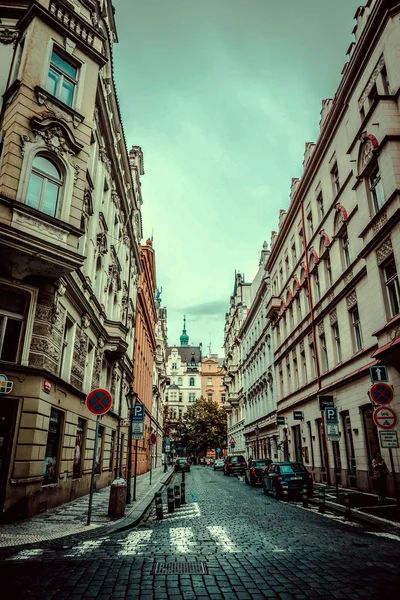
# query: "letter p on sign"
{"points": [[331, 415]]}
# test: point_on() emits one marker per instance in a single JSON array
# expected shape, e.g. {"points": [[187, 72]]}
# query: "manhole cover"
{"points": [[176, 568]]}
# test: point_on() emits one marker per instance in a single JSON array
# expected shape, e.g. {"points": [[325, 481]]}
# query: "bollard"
{"points": [[177, 496], [183, 475], [321, 500], [305, 496], [285, 488], [347, 503], [183, 497], [159, 508], [170, 495]]}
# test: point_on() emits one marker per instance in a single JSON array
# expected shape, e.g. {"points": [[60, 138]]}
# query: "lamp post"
{"points": [[130, 397], [257, 429]]}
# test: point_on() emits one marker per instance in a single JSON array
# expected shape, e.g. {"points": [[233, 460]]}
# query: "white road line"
{"points": [[83, 548], [391, 536], [182, 539], [27, 554], [222, 539], [137, 542]]}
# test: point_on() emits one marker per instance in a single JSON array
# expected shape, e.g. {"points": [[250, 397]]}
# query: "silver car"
{"points": [[219, 464]]}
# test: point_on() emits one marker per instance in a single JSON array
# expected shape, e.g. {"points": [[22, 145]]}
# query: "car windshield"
{"points": [[295, 468], [260, 463], [181, 460], [237, 459]]}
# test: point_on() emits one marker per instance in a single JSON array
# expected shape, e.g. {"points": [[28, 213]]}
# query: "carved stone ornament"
{"points": [[367, 152], [8, 36], [351, 300], [302, 346], [102, 244], [371, 82], [53, 110], [56, 135], [380, 222], [384, 251], [321, 328], [310, 339], [348, 277], [59, 291], [85, 321], [76, 174], [331, 296], [333, 317], [101, 342]]}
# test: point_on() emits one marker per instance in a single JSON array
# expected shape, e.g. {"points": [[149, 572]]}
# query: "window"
{"points": [[294, 255], [328, 267], [317, 285], [45, 183], [335, 178], [298, 302], [174, 365], [376, 190], [223, 397], [320, 204], [392, 285], [192, 397], [12, 313], [338, 346], [346, 250], [357, 335], [191, 381], [62, 78], [78, 449], [304, 365], [312, 354], [89, 367], [209, 397], [385, 82], [67, 349], [324, 351], [180, 381], [310, 223], [50, 466], [209, 381], [99, 451]]}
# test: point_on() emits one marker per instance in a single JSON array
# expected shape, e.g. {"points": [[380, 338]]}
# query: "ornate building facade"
{"points": [[160, 379], [334, 263], [212, 378], [69, 233]]}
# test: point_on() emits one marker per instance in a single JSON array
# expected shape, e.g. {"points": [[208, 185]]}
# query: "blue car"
{"points": [[294, 474]]}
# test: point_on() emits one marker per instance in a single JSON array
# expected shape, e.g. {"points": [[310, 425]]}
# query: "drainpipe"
{"points": [[323, 435]]}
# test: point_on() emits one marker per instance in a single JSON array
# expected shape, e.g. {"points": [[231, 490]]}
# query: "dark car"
{"points": [[255, 470], [234, 465], [294, 474], [182, 464]]}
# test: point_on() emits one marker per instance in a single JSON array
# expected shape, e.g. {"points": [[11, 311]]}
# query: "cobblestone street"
{"points": [[250, 546]]}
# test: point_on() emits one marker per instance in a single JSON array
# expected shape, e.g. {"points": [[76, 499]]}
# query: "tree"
{"points": [[206, 425]]}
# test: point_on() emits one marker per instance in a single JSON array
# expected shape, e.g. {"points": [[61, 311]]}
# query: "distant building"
{"points": [[160, 379], [212, 378]]}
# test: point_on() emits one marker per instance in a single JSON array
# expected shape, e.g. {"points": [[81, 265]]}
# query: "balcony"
{"points": [[273, 307], [227, 407], [234, 399]]}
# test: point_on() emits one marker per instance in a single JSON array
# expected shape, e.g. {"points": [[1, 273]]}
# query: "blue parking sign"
{"points": [[138, 413], [331, 415]]}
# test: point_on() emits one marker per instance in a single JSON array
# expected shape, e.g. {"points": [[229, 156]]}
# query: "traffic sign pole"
{"points": [[135, 473], [96, 441], [151, 459]]}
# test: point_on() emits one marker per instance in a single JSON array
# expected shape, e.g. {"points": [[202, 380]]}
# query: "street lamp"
{"points": [[257, 429], [130, 397]]}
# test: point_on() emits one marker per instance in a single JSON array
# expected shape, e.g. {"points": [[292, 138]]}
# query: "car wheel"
{"points": [[275, 492]]}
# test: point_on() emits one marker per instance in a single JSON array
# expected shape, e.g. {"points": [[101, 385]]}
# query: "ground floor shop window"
{"points": [[371, 434], [318, 423], [311, 443], [298, 452], [78, 450], [51, 467], [13, 306], [99, 453], [348, 438]]}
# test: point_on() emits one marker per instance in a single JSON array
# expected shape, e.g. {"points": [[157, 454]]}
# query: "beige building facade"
{"points": [[212, 379], [334, 263], [69, 233]]}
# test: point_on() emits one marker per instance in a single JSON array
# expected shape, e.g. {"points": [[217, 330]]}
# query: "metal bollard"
{"points": [[347, 503], [183, 474], [177, 496], [183, 497], [171, 502], [321, 500], [305, 496], [285, 488], [159, 508]]}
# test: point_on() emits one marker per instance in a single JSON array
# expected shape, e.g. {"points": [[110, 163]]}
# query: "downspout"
{"points": [[324, 442]]}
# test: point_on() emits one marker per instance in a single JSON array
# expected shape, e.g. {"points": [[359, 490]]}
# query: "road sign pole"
{"points": [[151, 459], [135, 472], [96, 441], [129, 470], [335, 466], [396, 490]]}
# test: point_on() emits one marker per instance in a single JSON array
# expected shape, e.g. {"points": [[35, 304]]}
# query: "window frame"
{"points": [[6, 315], [60, 430], [73, 62], [46, 177], [356, 328], [372, 189], [338, 344], [335, 178], [391, 290]]}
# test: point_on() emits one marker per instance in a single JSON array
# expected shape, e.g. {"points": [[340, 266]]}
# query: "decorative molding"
{"points": [[379, 223], [331, 296], [348, 277], [8, 36], [333, 317], [371, 82], [56, 135], [85, 321], [37, 225], [384, 250], [59, 291], [351, 299], [101, 243], [321, 328]]}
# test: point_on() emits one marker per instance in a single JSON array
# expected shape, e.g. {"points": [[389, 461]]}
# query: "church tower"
{"points": [[184, 339]]}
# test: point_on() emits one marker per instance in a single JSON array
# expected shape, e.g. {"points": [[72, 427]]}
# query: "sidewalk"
{"points": [[364, 505], [70, 518]]}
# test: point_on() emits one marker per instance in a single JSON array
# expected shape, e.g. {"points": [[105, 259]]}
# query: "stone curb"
{"points": [[357, 514]]}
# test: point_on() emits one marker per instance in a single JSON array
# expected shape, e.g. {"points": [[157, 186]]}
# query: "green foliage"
{"points": [[205, 421]]}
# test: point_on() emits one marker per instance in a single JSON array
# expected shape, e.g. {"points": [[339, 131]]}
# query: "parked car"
{"points": [[210, 461], [255, 470], [294, 474], [182, 464], [234, 465], [219, 464]]}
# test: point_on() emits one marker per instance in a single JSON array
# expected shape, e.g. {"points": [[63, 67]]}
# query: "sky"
{"points": [[222, 96]]}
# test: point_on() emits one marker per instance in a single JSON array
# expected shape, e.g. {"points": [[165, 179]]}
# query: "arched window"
{"points": [[191, 381], [45, 183]]}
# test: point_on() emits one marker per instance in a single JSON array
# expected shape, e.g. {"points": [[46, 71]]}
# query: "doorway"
{"points": [[8, 411]]}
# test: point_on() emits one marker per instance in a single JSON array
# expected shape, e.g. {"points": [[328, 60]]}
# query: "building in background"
{"points": [[69, 234], [257, 370], [335, 261], [145, 350], [184, 374], [160, 380], [212, 378]]}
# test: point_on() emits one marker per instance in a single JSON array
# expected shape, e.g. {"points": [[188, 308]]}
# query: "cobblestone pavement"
{"points": [[250, 545]]}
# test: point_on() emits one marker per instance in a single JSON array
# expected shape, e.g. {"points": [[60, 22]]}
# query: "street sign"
{"points": [[124, 423], [137, 436], [153, 439], [331, 415], [5, 385], [381, 393], [298, 415], [46, 386], [138, 413], [332, 432], [280, 420], [389, 439], [218, 450], [232, 441], [325, 402], [167, 445], [378, 373], [99, 401], [385, 417], [232, 446]]}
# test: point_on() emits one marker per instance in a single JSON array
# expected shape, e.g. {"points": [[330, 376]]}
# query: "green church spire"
{"points": [[184, 337]]}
